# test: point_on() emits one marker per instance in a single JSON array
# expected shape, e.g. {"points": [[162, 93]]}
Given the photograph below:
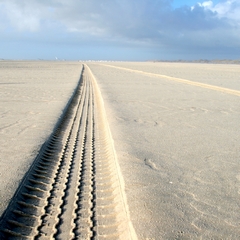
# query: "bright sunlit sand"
{"points": [[177, 145], [32, 97], [175, 132]]}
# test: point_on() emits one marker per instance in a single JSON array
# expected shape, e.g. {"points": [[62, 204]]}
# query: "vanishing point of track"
{"points": [[73, 190]]}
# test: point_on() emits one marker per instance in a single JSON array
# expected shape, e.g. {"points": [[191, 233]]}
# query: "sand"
{"points": [[177, 146], [176, 141], [32, 97]]}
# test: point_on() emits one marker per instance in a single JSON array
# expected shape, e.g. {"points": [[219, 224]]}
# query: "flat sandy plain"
{"points": [[175, 128], [32, 98]]}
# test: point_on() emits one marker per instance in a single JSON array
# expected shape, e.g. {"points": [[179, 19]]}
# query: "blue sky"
{"points": [[119, 29]]}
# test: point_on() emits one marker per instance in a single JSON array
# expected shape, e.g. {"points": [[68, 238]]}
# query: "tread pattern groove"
{"points": [[72, 190]]}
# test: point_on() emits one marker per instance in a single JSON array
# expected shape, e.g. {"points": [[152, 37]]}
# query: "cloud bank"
{"points": [[149, 23]]}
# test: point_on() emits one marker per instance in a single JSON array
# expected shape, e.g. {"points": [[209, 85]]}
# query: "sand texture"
{"points": [[161, 163], [74, 188], [32, 97], [177, 144]]}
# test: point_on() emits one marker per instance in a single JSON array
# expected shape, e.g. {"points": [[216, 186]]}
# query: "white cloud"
{"points": [[229, 9], [21, 19], [207, 4]]}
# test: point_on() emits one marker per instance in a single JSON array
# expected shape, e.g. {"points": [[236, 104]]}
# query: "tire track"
{"points": [[74, 188], [180, 80]]}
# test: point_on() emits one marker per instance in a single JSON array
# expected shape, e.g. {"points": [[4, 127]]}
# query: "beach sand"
{"points": [[177, 145], [32, 97], [175, 131]]}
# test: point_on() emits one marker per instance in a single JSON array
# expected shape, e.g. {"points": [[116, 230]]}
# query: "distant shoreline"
{"points": [[215, 61]]}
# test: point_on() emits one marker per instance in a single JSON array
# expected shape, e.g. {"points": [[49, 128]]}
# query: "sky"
{"points": [[128, 30]]}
